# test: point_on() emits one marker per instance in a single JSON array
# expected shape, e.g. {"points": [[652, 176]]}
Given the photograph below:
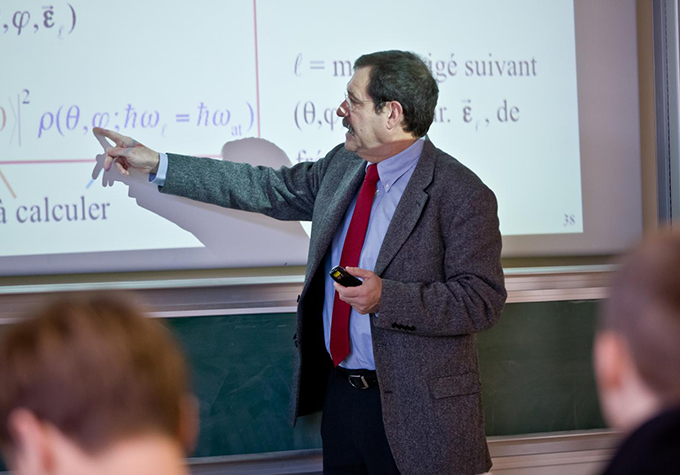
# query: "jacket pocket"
{"points": [[457, 385]]}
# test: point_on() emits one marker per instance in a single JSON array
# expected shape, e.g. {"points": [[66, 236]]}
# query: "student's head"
{"points": [[637, 349], [90, 382]]}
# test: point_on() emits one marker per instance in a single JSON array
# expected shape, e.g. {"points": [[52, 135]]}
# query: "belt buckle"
{"points": [[360, 383]]}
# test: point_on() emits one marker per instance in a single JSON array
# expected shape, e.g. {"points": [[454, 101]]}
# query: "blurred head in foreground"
{"points": [[637, 350], [89, 385]]}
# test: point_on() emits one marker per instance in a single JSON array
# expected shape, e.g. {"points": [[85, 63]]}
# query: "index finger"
{"points": [[118, 139], [348, 292]]}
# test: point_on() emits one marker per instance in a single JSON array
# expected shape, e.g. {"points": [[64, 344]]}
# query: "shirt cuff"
{"points": [[158, 178]]}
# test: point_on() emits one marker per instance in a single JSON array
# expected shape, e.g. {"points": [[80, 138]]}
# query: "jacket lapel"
{"points": [[408, 210], [332, 213]]}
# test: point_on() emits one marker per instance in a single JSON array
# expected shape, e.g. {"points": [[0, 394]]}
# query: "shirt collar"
{"points": [[393, 168]]}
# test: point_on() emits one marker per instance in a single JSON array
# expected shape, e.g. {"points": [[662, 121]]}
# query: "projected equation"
{"points": [[59, 19], [71, 119]]}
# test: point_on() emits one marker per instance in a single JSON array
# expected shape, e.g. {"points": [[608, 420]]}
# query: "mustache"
{"points": [[345, 122]]}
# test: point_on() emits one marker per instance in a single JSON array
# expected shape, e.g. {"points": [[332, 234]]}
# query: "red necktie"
{"points": [[351, 251]]}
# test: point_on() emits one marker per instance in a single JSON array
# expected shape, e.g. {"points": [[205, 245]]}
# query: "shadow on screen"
{"points": [[222, 231]]}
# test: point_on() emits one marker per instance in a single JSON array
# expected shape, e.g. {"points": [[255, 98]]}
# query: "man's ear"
{"points": [[609, 360], [189, 411], [395, 116], [33, 451]]}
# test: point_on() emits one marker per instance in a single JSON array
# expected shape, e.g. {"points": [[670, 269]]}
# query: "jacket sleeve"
{"points": [[472, 295], [286, 194]]}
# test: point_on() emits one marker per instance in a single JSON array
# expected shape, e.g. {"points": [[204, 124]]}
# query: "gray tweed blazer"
{"points": [[442, 282]]}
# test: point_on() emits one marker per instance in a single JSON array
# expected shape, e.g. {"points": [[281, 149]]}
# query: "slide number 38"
{"points": [[569, 220]]}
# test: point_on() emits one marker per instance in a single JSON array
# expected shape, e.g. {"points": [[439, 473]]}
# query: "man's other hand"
{"points": [[364, 298], [128, 153]]}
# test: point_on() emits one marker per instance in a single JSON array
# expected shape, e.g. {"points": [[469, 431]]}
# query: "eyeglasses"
{"points": [[353, 103]]}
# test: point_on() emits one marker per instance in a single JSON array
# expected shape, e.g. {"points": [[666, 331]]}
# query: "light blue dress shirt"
{"points": [[395, 173]]}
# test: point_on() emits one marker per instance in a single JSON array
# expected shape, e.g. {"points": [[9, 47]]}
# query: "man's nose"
{"points": [[343, 109]]}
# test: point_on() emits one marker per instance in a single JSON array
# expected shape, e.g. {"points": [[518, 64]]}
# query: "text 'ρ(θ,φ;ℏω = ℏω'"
{"points": [[72, 119]]}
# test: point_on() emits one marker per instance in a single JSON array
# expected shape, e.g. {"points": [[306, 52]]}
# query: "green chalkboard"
{"points": [[242, 369], [537, 371], [535, 364]]}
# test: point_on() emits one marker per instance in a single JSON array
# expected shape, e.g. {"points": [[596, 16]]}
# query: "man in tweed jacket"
{"points": [[436, 279]]}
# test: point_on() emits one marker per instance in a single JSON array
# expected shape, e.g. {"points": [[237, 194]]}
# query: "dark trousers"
{"points": [[352, 430]]}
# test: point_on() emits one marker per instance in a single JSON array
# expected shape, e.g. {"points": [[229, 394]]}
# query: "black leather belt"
{"points": [[360, 379]]}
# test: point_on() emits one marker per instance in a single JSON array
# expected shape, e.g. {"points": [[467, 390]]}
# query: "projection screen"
{"points": [[539, 98]]}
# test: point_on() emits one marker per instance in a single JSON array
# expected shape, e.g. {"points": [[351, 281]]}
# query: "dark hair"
{"points": [[403, 77], [96, 369], [644, 307]]}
